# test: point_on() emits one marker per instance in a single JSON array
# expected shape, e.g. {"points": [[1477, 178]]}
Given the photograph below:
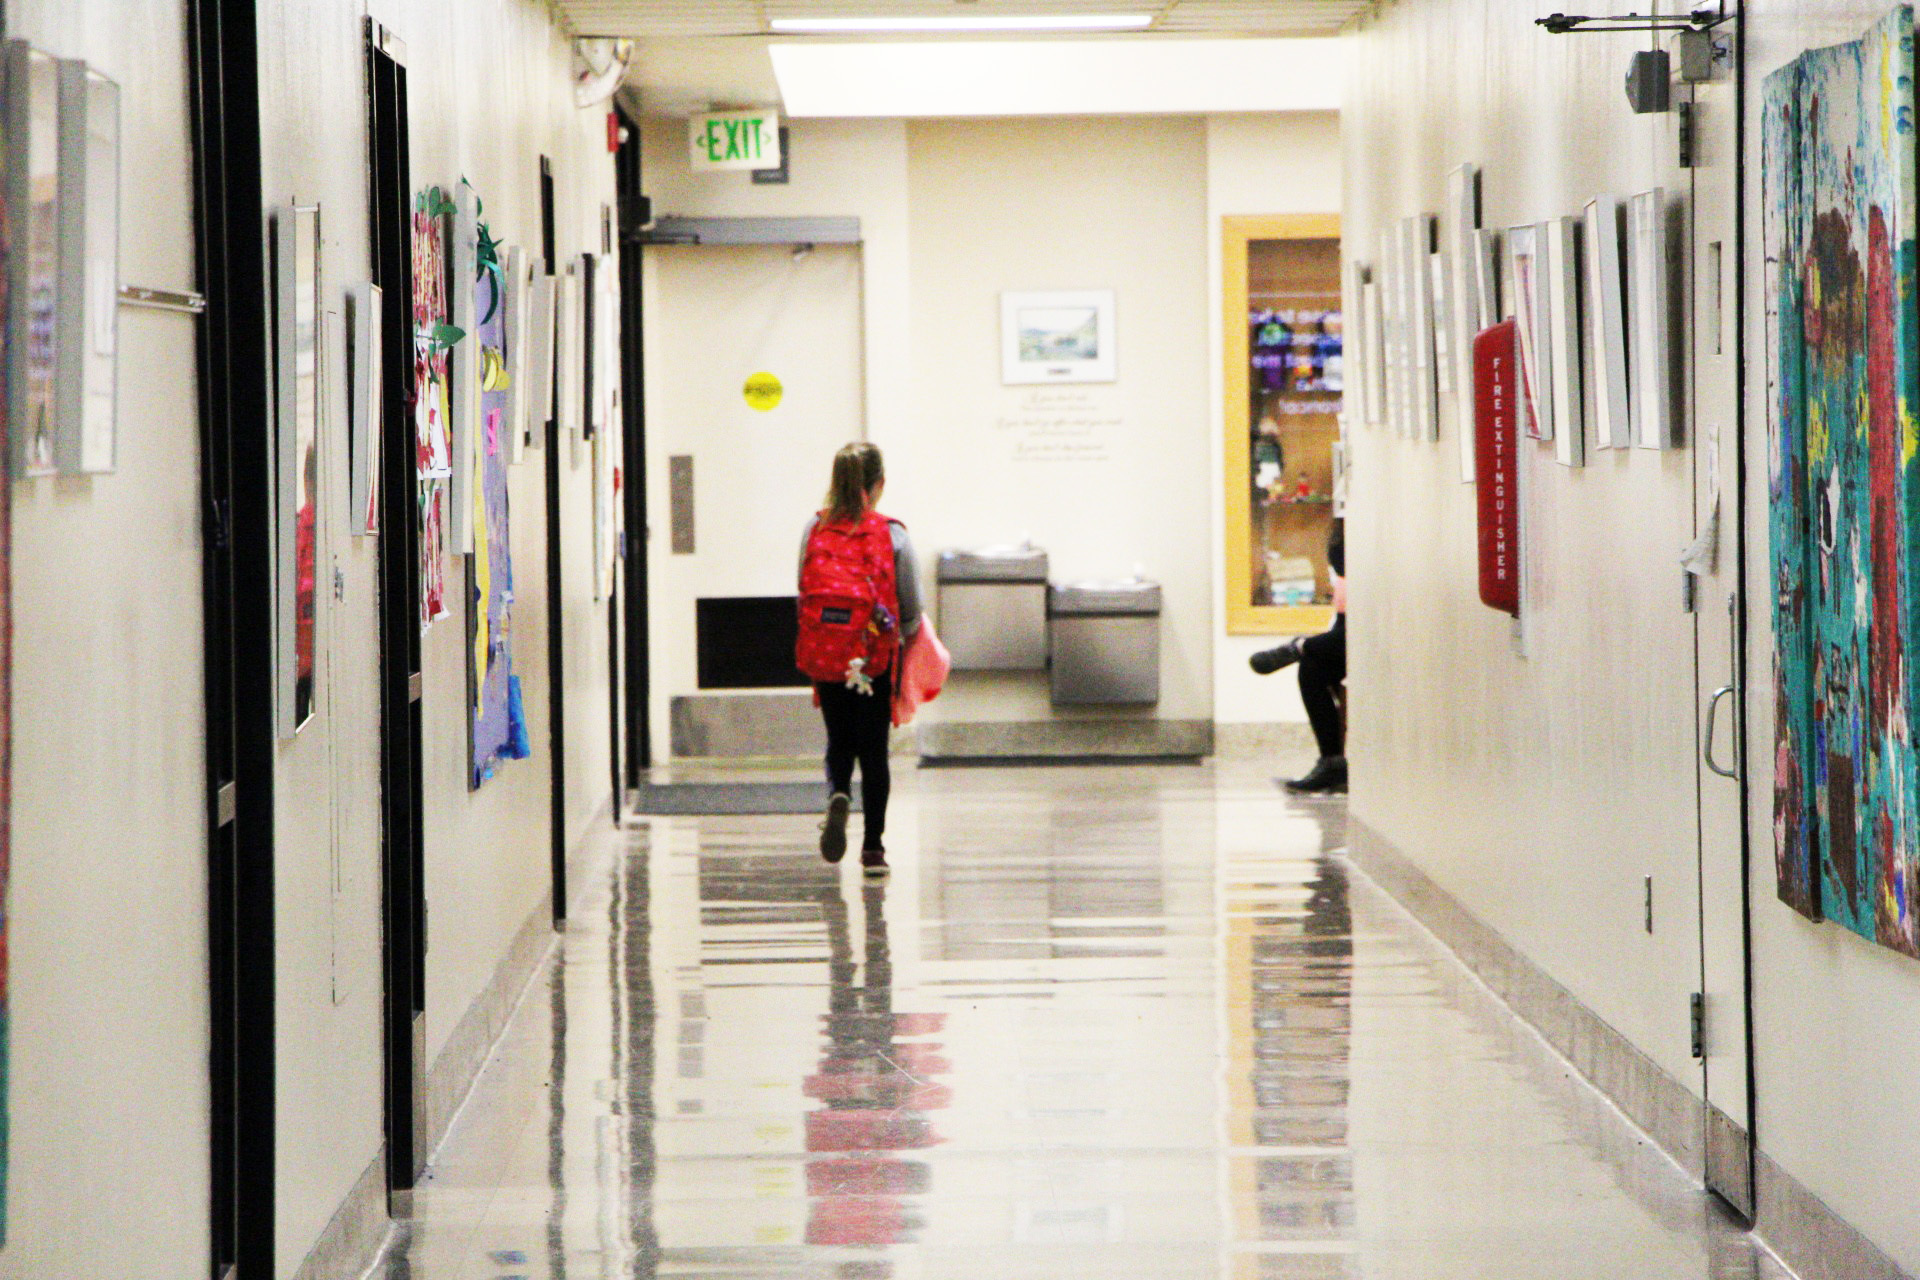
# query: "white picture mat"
{"points": [[566, 353], [463, 366], [1373, 339], [513, 272], [1392, 310], [1439, 276], [296, 369], [1486, 264], [1463, 220], [1607, 327], [1416, 238], [1529, 287], [538, 401], [89, 287], [1564, 336], [1058, 336], [365, 405], [606, 341], [1649, 354]]}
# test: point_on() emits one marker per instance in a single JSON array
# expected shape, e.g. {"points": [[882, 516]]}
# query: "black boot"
{"points": [[1327, 777], [1268, 661]]}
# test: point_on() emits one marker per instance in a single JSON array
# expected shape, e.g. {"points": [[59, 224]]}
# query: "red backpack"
{"points": [[849, 601]]}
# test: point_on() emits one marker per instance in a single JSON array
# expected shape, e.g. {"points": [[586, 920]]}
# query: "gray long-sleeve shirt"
{"points": [[906, 571]]}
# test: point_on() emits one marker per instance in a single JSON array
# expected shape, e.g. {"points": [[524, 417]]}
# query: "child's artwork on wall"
{"points": [[33, 193], [88, 358], [463, 363], [1843, 371], [1561, 264], [1650, 354], [365, 398], [433, 339], [1416, 241], [1461, 222], [1607, 325], [498, 729], [296, 377], [1527, 274]]}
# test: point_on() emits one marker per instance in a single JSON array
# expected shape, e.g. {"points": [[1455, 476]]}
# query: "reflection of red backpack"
{"points": [[849, 602]]}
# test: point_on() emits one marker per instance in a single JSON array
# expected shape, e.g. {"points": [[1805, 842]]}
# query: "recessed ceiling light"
{"points": [[1010, 22]]}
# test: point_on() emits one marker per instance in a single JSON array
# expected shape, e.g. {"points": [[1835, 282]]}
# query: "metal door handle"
{"points": [[1713, 709]]}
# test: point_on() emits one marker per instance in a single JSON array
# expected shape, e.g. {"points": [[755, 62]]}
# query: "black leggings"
{"points": [[1323, 665], [857, 727]]}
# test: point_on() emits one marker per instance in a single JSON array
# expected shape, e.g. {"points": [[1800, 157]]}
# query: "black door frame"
{"points": [[633, 212], [403, 906], [556, 604], [237, 581]]}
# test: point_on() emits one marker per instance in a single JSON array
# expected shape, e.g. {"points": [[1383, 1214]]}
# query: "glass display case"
{"points": [[1284, 366]]}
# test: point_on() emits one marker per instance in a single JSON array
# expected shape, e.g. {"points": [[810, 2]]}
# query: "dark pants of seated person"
{"points": [[1323, 665], [857, 727]]}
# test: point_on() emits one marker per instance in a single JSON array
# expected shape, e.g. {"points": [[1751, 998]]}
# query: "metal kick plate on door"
{"points": [[680, 502]]}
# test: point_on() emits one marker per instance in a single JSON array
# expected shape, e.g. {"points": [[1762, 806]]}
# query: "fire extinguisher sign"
{"points": [[1497, 455]]}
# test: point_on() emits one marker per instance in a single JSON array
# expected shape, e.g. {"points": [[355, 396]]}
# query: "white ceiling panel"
{"points": [[1057, 77], [673, 18]]}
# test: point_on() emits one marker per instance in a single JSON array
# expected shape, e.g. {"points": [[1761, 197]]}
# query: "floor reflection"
{"points": [[1125, 1023]]}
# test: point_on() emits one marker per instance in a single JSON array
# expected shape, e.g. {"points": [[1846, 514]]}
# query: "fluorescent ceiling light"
{"points": [[922, 78], [1010, 22]]}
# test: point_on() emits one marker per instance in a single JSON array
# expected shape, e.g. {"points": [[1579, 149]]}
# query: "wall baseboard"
{"points": [[1810, 1237], [1232, 741], [357, 1231], [361, 1227], [1064, 739], [453, 1072], [1660, 1105], [1796, 1224]]}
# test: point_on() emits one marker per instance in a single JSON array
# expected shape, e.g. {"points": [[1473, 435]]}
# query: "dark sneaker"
{"points": [[1268, 661], [873, 861], [833, 832], [1327, 777]]}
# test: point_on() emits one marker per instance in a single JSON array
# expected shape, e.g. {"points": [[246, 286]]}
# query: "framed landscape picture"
{"points": [[1057, 337]]}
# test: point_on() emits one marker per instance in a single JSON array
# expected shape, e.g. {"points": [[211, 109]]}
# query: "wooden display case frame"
{"points": [[1237, 231]]}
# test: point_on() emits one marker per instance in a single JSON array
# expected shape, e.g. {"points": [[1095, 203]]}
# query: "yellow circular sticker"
{"points": [[763, 391]]}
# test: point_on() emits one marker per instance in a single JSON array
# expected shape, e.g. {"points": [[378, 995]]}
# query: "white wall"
{"points": [[107, 1098], [489, 93], [1835, 1017], [1256, 164], [841, 168], [1539, 790], [951, 214], [1001, 205]]}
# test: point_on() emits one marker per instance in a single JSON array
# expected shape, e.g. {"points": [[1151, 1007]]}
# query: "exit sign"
{"points": [[735, 140]]}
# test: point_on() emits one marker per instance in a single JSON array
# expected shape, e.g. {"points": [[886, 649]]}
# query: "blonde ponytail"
{"points": [[857, 471]]}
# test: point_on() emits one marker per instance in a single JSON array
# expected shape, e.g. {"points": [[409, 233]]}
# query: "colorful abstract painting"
{"points": [[499, 730], [1844, 480], [433, 338]]}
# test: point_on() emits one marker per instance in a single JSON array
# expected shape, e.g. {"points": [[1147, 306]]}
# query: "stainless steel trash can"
{"points": [[993, 608], [1106, 643]]}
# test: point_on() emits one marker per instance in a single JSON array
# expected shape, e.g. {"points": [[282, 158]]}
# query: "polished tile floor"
{"points": [[1101, 1023]]}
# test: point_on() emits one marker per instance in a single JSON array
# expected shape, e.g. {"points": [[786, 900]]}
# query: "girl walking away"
{"points": [[859, 602]]}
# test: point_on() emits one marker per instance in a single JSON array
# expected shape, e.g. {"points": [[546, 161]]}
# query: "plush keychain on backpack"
{"points": [[857, 678]]}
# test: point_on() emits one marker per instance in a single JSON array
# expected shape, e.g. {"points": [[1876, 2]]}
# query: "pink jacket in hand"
{"points": [[924, 667]]}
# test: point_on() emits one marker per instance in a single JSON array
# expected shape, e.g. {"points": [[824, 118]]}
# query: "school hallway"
{"points": [[1099, 1022]]}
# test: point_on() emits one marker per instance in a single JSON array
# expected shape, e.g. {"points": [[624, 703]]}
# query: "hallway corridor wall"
{"points": [[1537, 789], [951, 213], [490, 92], [107, 906]]}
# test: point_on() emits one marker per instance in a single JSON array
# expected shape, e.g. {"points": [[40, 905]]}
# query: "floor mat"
{"points": [[687, 798]]}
